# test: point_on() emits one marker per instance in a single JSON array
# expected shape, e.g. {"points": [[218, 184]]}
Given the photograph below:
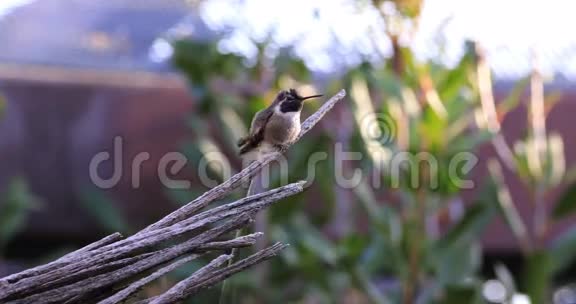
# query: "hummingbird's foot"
{"points": [[281, 147]]}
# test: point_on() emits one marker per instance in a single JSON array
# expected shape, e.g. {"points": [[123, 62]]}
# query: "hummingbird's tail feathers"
{"points": [[248, 146], [243, 150], [252, 141], [242, 141]]}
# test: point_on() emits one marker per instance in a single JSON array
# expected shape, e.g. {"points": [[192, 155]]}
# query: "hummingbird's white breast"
{"points": [[283, 127]]}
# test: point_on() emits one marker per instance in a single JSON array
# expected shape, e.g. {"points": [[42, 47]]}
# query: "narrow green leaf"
{"points": [[570, 175], [551, 100], [287, 64], [372, 261], [457, 264], [456, 256], [102, 208], [498, 193], [433, 128], [183, 196], [469, 142], [351, 247], [461, 295], [364, 283], [384, 218], [537, 276], [16, 202], [513, 99], [366, 117], [563, 250], [453, 81], [311, 239], [205, 151], [469, 227], [566, 204], [233, 127], [2, 106]]}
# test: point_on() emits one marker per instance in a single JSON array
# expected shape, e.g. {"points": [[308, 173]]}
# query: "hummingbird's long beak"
{"points": [[313, 96]]}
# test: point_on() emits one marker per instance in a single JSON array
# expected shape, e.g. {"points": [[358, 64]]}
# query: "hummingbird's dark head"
{"points": [[291, 101]]}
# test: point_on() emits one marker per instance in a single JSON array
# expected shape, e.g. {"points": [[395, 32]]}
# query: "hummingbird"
{"points": [[275, 127]]}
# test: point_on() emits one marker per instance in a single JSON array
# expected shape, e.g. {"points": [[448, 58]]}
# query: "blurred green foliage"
{"points": [[2, 106], [104, 210], [16, 200]]}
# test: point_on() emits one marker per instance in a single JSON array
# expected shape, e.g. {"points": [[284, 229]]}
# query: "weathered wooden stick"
{"points": [[195, 283], [208, 197], [127, 292], [203, 219], [59, 262], [178, 291], [101, 243], [109, 253], [243, 241], [106, 279]]}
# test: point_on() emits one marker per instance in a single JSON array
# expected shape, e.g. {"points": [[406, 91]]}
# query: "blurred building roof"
{"points": [[87, 41], [107, 34]]}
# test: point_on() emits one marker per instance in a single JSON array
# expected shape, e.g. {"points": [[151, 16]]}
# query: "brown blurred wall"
{"points": [[50, 133]]}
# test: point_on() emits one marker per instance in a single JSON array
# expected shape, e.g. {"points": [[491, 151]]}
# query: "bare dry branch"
{"points": [[197, 281], [203, 219], [178, 292], [59, 262], [243, 241], [126, 293], [109, 278]]}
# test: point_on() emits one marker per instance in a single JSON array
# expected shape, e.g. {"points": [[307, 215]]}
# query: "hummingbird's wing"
{"points": [[256, 135]]}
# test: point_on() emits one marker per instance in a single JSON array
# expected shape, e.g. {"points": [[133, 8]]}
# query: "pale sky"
{"points": [[7, 5], [509, 30]]}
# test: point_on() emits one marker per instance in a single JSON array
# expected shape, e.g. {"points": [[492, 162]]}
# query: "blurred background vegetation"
{"points": [[416, 237]]}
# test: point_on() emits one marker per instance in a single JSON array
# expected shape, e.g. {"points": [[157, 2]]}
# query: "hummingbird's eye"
{"points": [[295, 96], [282, 95]]}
